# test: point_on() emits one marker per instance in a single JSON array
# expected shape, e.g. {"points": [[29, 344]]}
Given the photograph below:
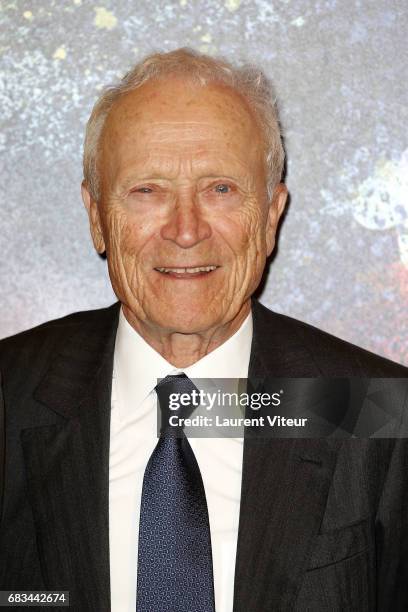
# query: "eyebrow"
{"points": [[128, 182]]}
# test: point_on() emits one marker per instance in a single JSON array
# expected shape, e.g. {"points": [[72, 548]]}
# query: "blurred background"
{"points": [[340, 70]]}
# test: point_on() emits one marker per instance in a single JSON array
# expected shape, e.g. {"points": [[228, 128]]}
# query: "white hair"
{"points": [[247, 80]]}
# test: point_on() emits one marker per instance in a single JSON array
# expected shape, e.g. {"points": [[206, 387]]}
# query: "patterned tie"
{"points": [[175, 571]]}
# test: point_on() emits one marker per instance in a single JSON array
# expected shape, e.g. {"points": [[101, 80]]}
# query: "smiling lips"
{"points": [[187, 272]]}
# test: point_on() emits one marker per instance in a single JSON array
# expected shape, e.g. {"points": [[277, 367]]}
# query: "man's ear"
{"points": [[276, 208], [94, 219]]}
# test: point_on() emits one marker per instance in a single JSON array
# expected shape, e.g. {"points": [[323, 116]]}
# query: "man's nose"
{"points": [[186, 226]]}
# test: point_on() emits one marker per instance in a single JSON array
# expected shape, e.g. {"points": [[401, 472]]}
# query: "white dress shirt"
{"points": [[133, 437]]}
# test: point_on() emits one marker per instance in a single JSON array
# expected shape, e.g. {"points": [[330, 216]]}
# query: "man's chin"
{"points": [[175, 317], [174, 323]]}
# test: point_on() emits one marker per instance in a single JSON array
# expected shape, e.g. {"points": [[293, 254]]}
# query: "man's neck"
{"points": [[183, 349]]}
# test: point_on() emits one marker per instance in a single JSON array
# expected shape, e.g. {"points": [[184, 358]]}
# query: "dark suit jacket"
{"points": [[323, 522]]}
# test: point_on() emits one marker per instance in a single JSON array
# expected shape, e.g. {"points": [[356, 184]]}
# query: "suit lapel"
{"points": [[67, 466], [285, 484]]}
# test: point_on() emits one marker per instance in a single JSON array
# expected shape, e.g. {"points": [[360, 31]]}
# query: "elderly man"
{"points": [[182, 165]]}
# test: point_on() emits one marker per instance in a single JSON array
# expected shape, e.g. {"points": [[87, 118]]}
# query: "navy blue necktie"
{"points": [[175, 571]]}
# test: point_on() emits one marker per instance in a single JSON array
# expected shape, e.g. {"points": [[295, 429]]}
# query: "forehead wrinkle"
{"points": [[225, 112], [182, 134], [172, 167]]}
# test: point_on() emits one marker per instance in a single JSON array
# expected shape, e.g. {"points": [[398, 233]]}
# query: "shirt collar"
{"points": [[137, 366]]}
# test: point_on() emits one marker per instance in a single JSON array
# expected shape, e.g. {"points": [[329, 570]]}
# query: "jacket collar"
{"points": [[88, 348], [277, 350]]}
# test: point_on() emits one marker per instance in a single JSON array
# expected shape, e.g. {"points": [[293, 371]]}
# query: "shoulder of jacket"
{"points": [[333, 356], [45, 336]]}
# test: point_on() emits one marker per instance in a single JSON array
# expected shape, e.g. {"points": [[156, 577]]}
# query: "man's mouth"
{"points": [[190, 272]]}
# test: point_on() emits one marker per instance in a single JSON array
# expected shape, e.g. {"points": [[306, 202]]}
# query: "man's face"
{"points": [[183, 213]]}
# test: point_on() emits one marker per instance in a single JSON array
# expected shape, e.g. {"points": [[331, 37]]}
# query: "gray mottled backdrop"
{"points": [[340, 70]]}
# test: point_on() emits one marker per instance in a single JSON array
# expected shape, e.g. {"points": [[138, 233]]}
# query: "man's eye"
{"points": [[222, 188], [144, 190]]}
